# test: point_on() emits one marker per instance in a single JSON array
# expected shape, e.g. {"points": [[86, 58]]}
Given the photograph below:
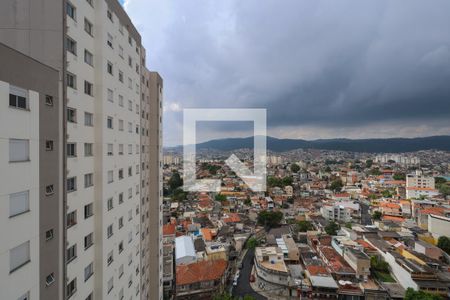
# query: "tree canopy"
{"points": [[420, 295], [377, 215], [304, 226], [332, 228], [270, 218], [336, 185], [444, 244], [295, 168]]}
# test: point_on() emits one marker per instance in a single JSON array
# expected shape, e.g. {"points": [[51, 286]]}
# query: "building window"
{"points": [[90, 297], [25, 296], [109, 231], [121, 51], [121, 271], [50, 279], [110, 203], [110, 95], [109, 15], [88, 180], [49, 235], [109, 41], [71, 253], [120, 149], [110, 149], [19, 203], [48, 100], [120, 222], [130, 82], [110, 285], [71, 184], [48, 145], [71, 115], [71, 288], [71, 80], [120, 247], [71, 219], [18, 98], [88, 241], [88, 27], [71, 11], [110, 176], [120, 173], [120, 125], [121, 100], [109, 122], [88, 119], [120, 76], [88, 271], [88, 149], [130, 193], [88, 58], [71, 149], [88, 210], [71, 46], [120, 198], [19, 256], [130, 61], [19, 150], [91, 4], [109, 68], [88, 88], [49, 190], [130, 149]]}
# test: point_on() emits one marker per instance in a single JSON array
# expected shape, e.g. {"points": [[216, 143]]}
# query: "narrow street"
{"points": [[243, 288], [366, 219]]}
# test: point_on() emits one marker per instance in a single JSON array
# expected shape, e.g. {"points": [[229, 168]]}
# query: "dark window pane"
{"points": [[12, 100], [22, 102]]}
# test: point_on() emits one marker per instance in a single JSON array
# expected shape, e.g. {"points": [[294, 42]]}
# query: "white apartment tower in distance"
{"points": [[87, 148]]}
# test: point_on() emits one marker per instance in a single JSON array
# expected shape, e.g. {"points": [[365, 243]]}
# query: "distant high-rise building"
{"points": [[80, 154]]}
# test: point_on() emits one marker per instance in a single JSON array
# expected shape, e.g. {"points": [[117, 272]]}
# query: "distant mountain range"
{"points": [[390, 145]]}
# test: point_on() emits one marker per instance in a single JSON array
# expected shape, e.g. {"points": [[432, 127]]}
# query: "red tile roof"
{"points": [[169, 229], [232, 218], [206, 270]]}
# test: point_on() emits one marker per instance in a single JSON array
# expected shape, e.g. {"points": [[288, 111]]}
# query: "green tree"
{"points": [[444, 244], [439, 180], [386, 194], [332, 228], [270, 219], [179, 195], [375, 172], [247, 201], [220, 197], [175, 181], [336, 185], [304, 226], [252, 243], [377, 215], [420, 295], [295, 168], [399, 176], [444, 189], [369, 163]]}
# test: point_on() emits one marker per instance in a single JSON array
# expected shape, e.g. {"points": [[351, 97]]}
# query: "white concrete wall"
{"points": [[18, 177], [101, 163]]}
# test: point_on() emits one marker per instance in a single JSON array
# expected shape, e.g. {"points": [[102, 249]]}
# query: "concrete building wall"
{"points": [[39, 125], [155, 204]]}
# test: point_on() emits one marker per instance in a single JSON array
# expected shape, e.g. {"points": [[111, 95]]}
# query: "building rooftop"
{"points": [[206, 270], [184, 246]]}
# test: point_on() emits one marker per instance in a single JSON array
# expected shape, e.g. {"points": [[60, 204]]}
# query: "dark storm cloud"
{"points": [[314, 63]]}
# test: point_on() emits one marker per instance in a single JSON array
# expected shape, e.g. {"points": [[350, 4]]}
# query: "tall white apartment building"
{"points": [[419, 185], [84, 173]]}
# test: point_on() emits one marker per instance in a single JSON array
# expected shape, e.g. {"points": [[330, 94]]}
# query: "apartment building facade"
{"points": [[104, 130]]}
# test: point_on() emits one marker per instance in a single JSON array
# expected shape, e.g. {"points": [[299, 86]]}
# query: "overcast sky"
{"points": [[322, 69]]}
